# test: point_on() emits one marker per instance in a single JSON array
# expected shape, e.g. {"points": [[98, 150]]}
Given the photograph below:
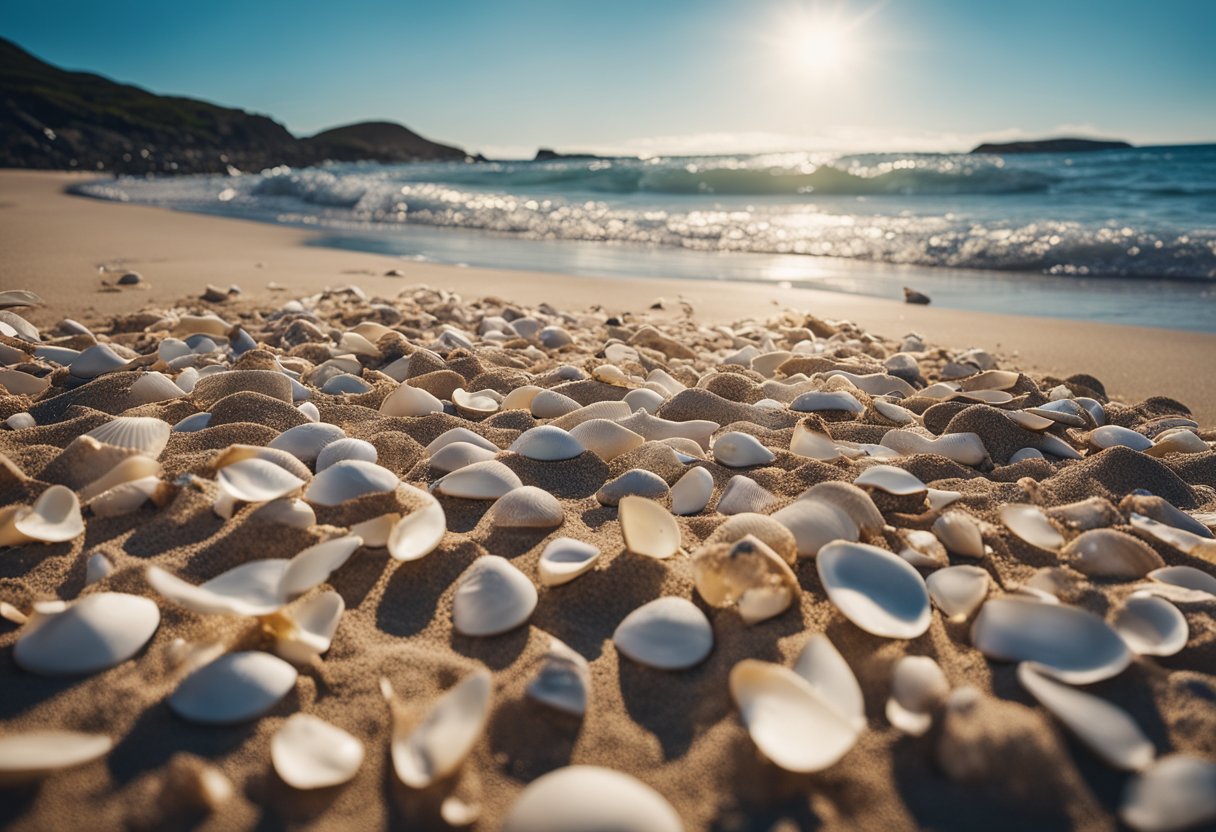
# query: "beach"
{"points": [[698, 352]]}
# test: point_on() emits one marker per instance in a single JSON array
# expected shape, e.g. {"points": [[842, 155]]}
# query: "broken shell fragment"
{"points": [[890, 479], [31, 755], [1151, 626], [1028, 522], [918, 686], [746, 574], [310, 753], [563, 680], [958, 591]]}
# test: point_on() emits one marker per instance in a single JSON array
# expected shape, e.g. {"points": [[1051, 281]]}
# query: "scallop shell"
{"points": [[31, 755], [563, 680], [1177, 792], [605, 439], [1107, 553], [564, 559], [527, 507], [918, 686], [890, 479], [310, 753], [547, 444], [667, 633], [153, 387], [142, 433], [348, 480], [438, 745], [549, 404], [486, 480], [1028, 522], [492, 597], [1070, 644], [417, 534], [92, 634], [958, 591], [53, 518], [460, 435], [1111, 436], [237, 687], [960, 534], [457, 455], [1108, 730], [1151, 626], [746, 574], [964, 448], [878, 591], [648, 528], [691, 493], [741, 450], [636, 481], [410, 401], [305, 442], [744, 495], [817, 400], [345, 449], [590, 799]]}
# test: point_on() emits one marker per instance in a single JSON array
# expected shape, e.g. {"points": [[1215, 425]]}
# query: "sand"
{"points": [[677, 731]]}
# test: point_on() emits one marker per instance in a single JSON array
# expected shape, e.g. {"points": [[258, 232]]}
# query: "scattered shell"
{"points": [[153, 387], [310, 753], [939, 498], [97, 568], [437, 746], [92, 634], [637, 482], [1186, 577], [826, 512], [410, 401], [549, 404], [346, 448], [305, 442], [563, 680], [644, 399], [142, 433], [668, 633], [604, 438], [348, 480], [481, 403], [1108, 553], [236, 687], [1028, 522], [965, 448], [527, 507], [309, 627], [1182, 540], [95, 361], [892, 480], [53, 518], [879, 592], [492, 597], [817, 400], [418, 533], [815, 444], [741, 450], [294, 513], [958, 591], [547, 444], [648, 528], [590, 799], [822, 666], [1151, 626], [918, 687], [487, 480], [1110, 436], [922, 549], [653, 428], [1178, 441], [252, 481], [31, 755], [460, 435], [1177, 792], [746, 574], [564, 559], [23, 384], [744, 495], [960, 534], [456, 455], [20, 421]]}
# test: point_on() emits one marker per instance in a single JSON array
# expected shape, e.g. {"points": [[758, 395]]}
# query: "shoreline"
{"points": [[55, 243]]}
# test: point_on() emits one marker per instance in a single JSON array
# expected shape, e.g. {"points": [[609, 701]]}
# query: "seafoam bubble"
{"points": [[668, 633]]}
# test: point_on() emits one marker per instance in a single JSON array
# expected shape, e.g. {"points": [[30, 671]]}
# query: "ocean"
{"points": [[1125, 236]]}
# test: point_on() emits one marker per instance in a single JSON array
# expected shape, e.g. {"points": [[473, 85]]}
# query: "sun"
{"points": [[818, 42]]}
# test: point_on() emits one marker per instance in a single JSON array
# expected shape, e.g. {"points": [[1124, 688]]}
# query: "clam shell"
{"points": [[253, 481], [237, 687], [310, 753], [547, 444], [648, 528], [31, 755], [1029, 420], [1024, 454], [153, 387], [964, 448], [460, 435], [549, 404], [125, 497], [740, 450], [96, 360], [668, 633], [599, 410], [410, 401], [527, 507], [486, 480], [563, 680], [1110, 436], [922, 549], [345, 383], [520, 398], [1107, 553], [814, 444], [895, 413], [23, 384], [746, 574], [492, 597], [917, 687], [878, 591], [456, 455], [97, 568], [345, 449], [1069, 644], [653, 428], [644, 399], [817, 400], [438, 745], [564, 559], [958, 591], [590, 799], [1163, 511], [960, 534], [890, 479], [312, 626], [1186, 577], [636, 481], [53, 518], [20, 421], [1177, 792], [1106, 729], [348, 480], [1180, 441], [293, 513], [92, 634], [1151, 626], [1028, 522], [605, 439], [482, 402], [142, 433], [821, 665], [774, 535], [826, 512], [744, 495], [130, 469], [939, 499], [1182, 540], [305, 442], [691, 493], [418, 533]]}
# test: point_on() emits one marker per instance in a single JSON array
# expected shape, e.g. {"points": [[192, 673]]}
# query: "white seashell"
{"points": [[826, 512], [1070, 644], [97, 568], [309, 753], [564, 559], [348, 480], [691, 493], [746, 574], [486, 480], [253, 481], [890, 479], [895, 413], [1025, 454], [310, 628], [1179, 441], [438, 745], [23, 384], [549, 404], [1110, 436], [599, 410], [482, 402], [563, 680], [1163, 511], [817, 400], [410, 401], [92, 634], [97, 360], [635, 481], [1177, 792], [124, 498], [743, 494], [237, 687], [20, 421], [918, 686], [939, 499], [878, 591], [1107, 553], [605, 438], [611, 374], [1107, 729], [153, 387], [653, 428], [305, 442], [457, 455], [1029, 420], [1054, 445], [648, 528], [1182, 540], [958, 591], [815, 444], [644, 399], [145, 434], [527, 507], [1029, 523], [960, 534], [464, 435], [826, 671], [547, 444], [520, 398], [667, 633], [193, 424], [53, 518], [554, 337], [1186, 577], [922, 549], [741, 450], [32, 755], [492, 597], [964, 448], [293, 513], [343, 449], [590, 799], [1151, 626]]}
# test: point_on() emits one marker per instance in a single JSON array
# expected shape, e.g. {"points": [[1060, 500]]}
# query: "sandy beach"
{"points": [[990, 756]]}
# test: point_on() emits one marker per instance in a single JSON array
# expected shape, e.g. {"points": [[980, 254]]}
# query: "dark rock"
{"points": [[1061, 145]]}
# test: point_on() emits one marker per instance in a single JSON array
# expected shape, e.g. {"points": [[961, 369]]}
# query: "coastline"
{"points": [[54, 243]]}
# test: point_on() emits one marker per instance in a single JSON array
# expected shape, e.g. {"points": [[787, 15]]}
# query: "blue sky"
{"points": [[665, 75]]}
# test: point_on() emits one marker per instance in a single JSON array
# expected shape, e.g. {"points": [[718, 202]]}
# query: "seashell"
{"points": [[599, 410], [653, 428], [895, 413], [97, 568], [564, 559], [563, 680], [1029, 523], [237, 687], [826, 512], [53, 518], [1180, 441], [554, 337], [991, 380], [635, 481], [1151, 626], [438, 745], [375, 532], [611, 374], [32, 755], [1182, 540], [746, 574], [464, 435], [92, 634], [305, 633], [479, 403], [305, 442], [691, 493], [1177, 792], [648, 528], [527, 507], [644, 399], [20, 421], [1163, 511], [193, 424], [1067, 643], [547, 444], [791, 722], [918, 687], [878, 591], [153, 387], [741, 450], [815, 444], [960, 534], [17, 298], [1063, 411], [1091, 513], [145, 434], [686, 450], [922, 549], [958, 591], [418, 533], [1110, 436], [1186, 577], [209, 324], [939, 499], [284, 460], [964, 448], [125, 497], [668, 633], [744, 495], [348, 480], [345, 449], [1024, 454], [97, 360], [1028, 420], [410, 401], [776, 536], [876, 384], [23, 384], [520, 398], [457, 455], [817, 400], [826, 671], [604, 438], [590, 799], [310, 753], [253, 481], [293, 513], [1107, 553], [492, 597], [486, 480], [549, 404], [890, 479]]}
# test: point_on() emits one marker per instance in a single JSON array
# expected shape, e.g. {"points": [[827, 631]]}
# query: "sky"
{"points": [[665, 76]]}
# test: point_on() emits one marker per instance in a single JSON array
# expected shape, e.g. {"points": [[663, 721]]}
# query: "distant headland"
{"points": [[1060, 145]]}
